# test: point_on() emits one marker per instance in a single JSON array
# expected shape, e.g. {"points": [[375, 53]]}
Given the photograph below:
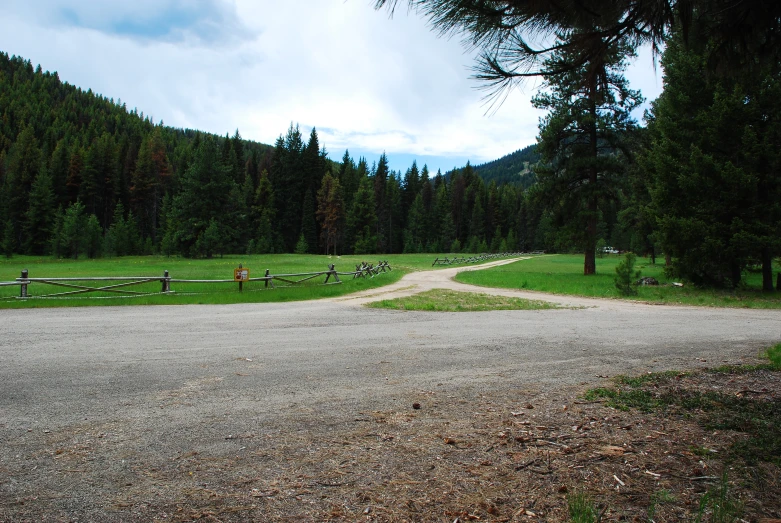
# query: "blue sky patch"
{"points": [[208, 20]]}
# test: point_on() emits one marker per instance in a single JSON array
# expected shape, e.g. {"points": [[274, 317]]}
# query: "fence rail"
{"points": [[117, 286], [480, 258]]}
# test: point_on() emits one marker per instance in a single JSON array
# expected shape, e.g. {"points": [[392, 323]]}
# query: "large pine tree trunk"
{"points": [[767, 270], [735, 273], [590, 261]]}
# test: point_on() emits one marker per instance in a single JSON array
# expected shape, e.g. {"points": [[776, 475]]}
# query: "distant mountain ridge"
{"points": [[515, 168]]}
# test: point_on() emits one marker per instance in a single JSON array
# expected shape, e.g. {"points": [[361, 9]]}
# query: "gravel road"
{"points": [[165, 380]]}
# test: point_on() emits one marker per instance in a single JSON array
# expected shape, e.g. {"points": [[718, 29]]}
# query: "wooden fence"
{"points": [[480, 258], [118, 285]]}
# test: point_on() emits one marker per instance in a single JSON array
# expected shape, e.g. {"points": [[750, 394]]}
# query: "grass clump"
{"points": [[659, 498], [582, 509], [774, 355], [624, 273], [720, 503], [652, 378], [625, 400], [442, 300]]}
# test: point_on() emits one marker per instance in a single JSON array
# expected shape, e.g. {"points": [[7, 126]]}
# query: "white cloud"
{"points": [[365, 81]]}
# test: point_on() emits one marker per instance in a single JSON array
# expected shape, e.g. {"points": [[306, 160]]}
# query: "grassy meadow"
{"points": [[195, 269], [563, 274], [559, 274]]}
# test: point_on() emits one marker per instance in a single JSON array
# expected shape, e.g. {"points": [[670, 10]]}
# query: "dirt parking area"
{"points": [[442, 455], [328, 411]]}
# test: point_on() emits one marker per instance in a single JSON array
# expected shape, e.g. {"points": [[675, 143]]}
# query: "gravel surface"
{"points": [[150, 384]]}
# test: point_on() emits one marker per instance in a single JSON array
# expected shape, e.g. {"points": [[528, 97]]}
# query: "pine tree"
{"points": [[496, 241], [582, 140], [117, 240], [167, 226], [395, 215], [302, 247], [361, 220], [380, 179], [237, 156], [264, 209], [209, 241], [9, 239], [312, 163], [40, 213], [75, 166], [56, 240], [445, 227], [288, 182], [330, 211], [348, 178], [100, 168], [714, 162], [24, 161], [411, 186], [59, 172], [309, 221], [415, 233], [73, 235], [477, 223], [204, 195], [144, 185], [93, 237]]}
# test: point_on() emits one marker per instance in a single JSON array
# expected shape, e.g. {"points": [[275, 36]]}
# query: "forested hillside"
{"points": [[80, 175], [513, 168]]}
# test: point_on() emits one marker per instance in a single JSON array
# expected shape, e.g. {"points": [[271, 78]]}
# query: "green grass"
{"points": [[441, 300], [659, 498], [720, 503], [757, 418], [216, 268], [652, 378], [581, 508], [563, 274], [774, 355]]}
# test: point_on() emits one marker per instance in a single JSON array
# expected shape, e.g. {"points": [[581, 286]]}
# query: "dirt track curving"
{"points": [[99, 405], [422, 281]]}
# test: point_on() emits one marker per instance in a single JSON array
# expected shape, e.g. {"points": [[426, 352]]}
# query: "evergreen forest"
{"points": [[700, 184]]}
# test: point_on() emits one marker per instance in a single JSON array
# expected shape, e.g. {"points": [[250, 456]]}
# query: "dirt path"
{"points": [[421, 281]]}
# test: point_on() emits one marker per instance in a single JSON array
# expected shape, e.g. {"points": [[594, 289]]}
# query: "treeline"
{"points": [[700, 183], [80, 175]]}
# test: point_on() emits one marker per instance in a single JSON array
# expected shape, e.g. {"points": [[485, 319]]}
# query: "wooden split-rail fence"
{"points": [[480, 258], [118, 286]]}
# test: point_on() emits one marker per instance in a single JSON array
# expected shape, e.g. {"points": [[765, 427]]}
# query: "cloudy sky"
{"points": [[368, 83]]}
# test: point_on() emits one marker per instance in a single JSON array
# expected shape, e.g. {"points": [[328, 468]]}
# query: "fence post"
{"points": [[332, 272], [166, 281], [267, 280], [241, 283], [23, 286]]}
